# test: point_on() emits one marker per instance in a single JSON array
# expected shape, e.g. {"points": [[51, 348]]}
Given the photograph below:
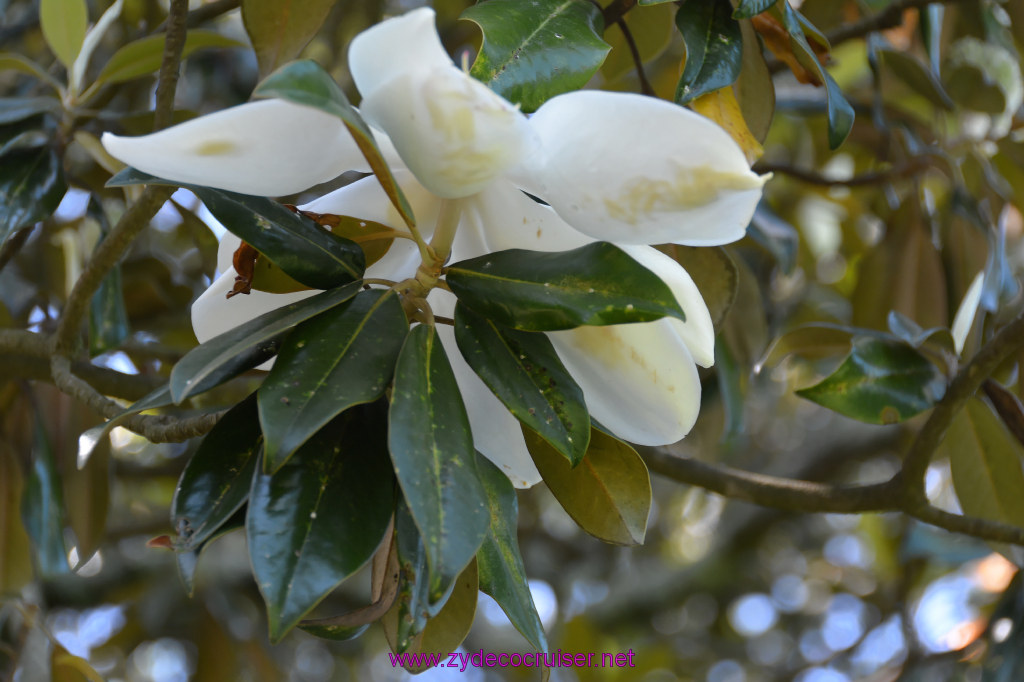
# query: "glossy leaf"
{"points": [[502, 574], [216, 481], [714, 48], [749, 8], [29, 133], [64, 23], [776, 235], [880, 382], [434, 458], [917, 76], [596, 284], [305, 82], [313, 256], [42, 507], [13, 109], [408, 616], [985, 460], [534, 51], [445, 631], [608, 494], [142, 57], [188, 559], [31, 185], [714, 273], [321, 516], [247, 345], [108, 318], [343, 357], [907, 330], [279, 30], [524, 372], [840, 113]]}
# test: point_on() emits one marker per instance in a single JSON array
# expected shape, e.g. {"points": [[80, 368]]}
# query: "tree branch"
{"points": [[167, 81], [645, 85], [902, 170], [805, 497], [968, 380], [890, 17], [616, 10]]}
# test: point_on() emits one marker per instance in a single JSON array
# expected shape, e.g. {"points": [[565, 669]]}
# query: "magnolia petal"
{"points": [[387, 50], [638, 380], [214, 313], [638, 170], [508, 219], [496, 433], [454, 133], [269, 148], [697, 332]]}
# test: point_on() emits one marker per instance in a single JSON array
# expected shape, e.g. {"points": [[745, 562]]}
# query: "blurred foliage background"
{"points": [[923, 195]]}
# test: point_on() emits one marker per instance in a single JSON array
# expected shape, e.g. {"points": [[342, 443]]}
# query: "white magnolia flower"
{"points": [[623, 168]]}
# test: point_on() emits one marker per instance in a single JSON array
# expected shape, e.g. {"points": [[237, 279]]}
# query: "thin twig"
{"points": [[167, 80], [899, 171], [616, 10], [645, 85], [965, 384]]}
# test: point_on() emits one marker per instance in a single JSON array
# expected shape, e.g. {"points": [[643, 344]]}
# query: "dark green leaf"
{"points": [[215, 483], [308, 253], [985, 460], [412, 604], [714, 48], [502, 574], [840, 113], [917, 76], [13, 109], [28, 133], [305, 82], [31, 186], [535, 50], [279, 30], [247, 345], [42, 507], [524, 372], [445, 631], [321, 516], [108, 319], [142, 57], [434, 459], [188, 559], [338, 359], [596, 284], [880, 382], [608, 494], [750, 8]]}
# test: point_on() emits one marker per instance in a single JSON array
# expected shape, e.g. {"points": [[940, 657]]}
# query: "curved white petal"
{"points": [[390, 48], [508, 219], [269, 148], [496, 433], [214, 313], [638, 379], [639, 170], [453, 132], [697, 332]]}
